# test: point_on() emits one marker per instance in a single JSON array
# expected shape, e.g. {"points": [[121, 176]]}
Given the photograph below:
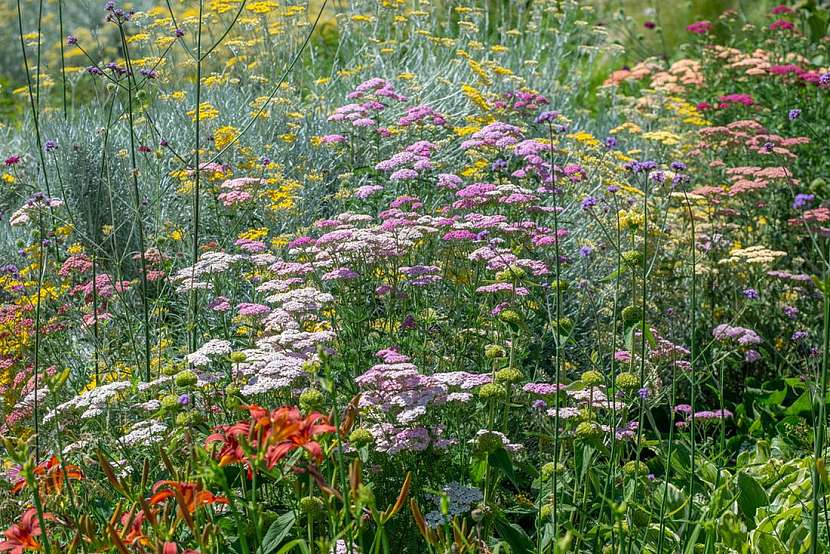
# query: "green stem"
{"points": [[194, 293], [557, 338], [63, 58], [41, 519], [820, 426], [137, 200], [692, 344], [36, 369]]}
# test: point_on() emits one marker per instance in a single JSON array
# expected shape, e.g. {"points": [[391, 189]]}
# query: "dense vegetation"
{"points": [[397, 276]]}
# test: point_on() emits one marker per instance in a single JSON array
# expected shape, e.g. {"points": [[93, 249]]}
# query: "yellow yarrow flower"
{"points": [[207, 111], [475, 96], [224, 136], [585, 138], [254, 234]]}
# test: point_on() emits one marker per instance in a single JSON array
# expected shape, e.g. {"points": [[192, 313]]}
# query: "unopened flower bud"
{"points": [[311, 400], [627, 381], [591, 378], [508, 375], [186, 378]]}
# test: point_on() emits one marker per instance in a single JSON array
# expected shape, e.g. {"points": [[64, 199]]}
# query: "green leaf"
{"points": [[478, 468], [513, 535], [692, 541], [818, 25], [802, 404], [751, 496], [276, 533], [768, 544], [773, 397], [649, 335], [653, 535], [708, 472], [299, 543], [500, 460], [675, 497], [616, 273]]}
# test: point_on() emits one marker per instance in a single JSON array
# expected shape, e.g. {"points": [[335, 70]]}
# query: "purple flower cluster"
{"points": [[741, 335]]}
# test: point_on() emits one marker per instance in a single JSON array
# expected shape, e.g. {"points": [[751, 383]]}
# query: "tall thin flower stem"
{"points": [[37, 59], [643, 330], [35, 105], [63, 59], [821, 423], [96, 227], [137, 200], [692, 340], [667, 476], [557, 338], [95, 313], [194, 293], [41, 519], [41, 273], [341, 464], [615, 329]]}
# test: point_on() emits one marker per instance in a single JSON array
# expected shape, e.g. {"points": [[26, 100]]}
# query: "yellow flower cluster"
{"points": [[206, 112], [223, 136]]}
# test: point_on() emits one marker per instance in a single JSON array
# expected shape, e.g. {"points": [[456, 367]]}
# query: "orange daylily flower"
{"points": [[192, 494], [302, 434], [132, 532], [173, 548], [22, 535], [50, 476], [274, 434]]}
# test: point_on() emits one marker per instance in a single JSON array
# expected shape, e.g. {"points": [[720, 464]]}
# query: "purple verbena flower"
{"points": [[802, 201], [547, 117], [588, 202]]}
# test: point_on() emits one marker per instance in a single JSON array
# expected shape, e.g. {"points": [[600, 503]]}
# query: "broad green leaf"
{"points": [[751, 496], [478, 468], [768, 544], [513, 535], [276, 533], [500, 460], [296, 543]]}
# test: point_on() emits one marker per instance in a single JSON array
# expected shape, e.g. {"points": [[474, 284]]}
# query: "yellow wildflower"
{"points": [[206, 112], [224, 136], [254, 234]]}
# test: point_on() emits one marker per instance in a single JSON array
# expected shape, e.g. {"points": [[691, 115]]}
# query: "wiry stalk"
{"points": [[613, 454], [643, 322], [669, 453], [63, 59], [95, 313], [41, 273], [194, 293], [692, 345], [37, 59], [35, 105], [557, 338], [821, 422], [137, 202]]}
